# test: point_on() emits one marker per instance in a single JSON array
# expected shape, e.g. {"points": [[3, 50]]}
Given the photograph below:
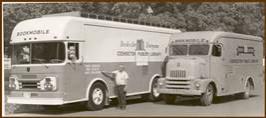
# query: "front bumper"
{"points": [[35, 98], [179, 92], [35, 101]]}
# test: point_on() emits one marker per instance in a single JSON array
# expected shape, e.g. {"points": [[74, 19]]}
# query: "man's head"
{"points": [[121, 67], [71, 52]]}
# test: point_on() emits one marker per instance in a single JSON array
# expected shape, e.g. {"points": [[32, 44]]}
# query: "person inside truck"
{"points": [[25, 54], [72, 53]]}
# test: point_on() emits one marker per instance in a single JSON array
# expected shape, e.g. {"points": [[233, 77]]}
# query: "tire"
{"points": [[246, 94], [169, 99], [97, 97], [207, 97], [154, 94]]}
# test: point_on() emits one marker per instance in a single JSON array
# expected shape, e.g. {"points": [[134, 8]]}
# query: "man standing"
{"points": [[121, 78]]}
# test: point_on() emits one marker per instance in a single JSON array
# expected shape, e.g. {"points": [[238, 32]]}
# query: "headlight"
{"points": [[13, 83], [161, 81], [197, 85], [48, 84]]}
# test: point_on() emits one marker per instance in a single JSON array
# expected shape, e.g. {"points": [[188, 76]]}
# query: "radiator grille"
{"points": [[178, 73], [29, 85]]}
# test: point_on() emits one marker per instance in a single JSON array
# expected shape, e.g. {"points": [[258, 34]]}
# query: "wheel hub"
{"points": [[97, 96]]}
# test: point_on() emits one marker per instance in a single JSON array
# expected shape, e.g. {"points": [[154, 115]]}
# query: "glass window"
{"points": [[48, 53], [216, 50], [38, 53], [198, 49], [21, 54], [73, 51], [178, 50]]}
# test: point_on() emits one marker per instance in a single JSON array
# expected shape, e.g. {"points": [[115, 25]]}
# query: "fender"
{"points": [[92, 82], [253, 82], [152, 78], [206, 82]]}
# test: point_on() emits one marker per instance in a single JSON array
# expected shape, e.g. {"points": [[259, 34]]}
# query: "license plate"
{"points": [[27, 94]]}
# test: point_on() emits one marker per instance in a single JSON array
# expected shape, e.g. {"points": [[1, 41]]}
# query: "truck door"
{"points": [[217, 68], [74, 77]]}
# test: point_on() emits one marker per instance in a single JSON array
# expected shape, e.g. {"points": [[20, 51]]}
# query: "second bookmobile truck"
{"points": [[209, 64], [44, 73]]}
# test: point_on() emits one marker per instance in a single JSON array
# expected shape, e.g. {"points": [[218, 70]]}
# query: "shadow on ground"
{"points": [[68, 108], [184, 101], [79, 107]]}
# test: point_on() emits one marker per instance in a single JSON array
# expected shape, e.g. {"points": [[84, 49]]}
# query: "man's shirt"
{"points": [[120, 77]]}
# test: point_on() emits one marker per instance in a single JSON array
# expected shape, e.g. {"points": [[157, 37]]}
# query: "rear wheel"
{"points": [[154, 95], [169, 99], [207, 97], [246, 94], [97, 97]]}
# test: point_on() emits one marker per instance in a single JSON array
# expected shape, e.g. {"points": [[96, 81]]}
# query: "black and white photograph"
{"points": [[143, 59]]}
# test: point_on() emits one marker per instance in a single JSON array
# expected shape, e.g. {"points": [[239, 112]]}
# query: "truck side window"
{"points": [[216, 50], [73, 51]]}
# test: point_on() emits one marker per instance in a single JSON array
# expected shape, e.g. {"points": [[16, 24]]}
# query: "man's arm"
{"points": [[108, 74]]}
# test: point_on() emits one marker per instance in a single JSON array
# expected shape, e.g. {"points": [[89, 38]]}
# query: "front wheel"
{"points": [[97, 97], [207, 97]]}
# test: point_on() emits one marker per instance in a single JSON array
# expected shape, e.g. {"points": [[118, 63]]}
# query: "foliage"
{"points": [[245, 18]]}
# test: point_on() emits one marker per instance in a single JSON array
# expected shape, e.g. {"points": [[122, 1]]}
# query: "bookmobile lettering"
{"points": [[189, 41], [244, 61], [32, 32]]}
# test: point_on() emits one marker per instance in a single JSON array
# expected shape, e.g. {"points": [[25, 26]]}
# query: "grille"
{"points": [[178, 73], [177, 84], [29, 85]]}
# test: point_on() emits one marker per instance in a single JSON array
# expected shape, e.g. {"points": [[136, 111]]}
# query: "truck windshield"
{"points": [[199, 49], [38, 53], [178, 50]]}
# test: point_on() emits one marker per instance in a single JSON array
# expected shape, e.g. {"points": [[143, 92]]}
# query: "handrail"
{"points": [[125, 20]]}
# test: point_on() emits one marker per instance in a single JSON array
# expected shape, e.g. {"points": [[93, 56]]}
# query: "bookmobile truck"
{"points": [[44, 73], [209, 64]]}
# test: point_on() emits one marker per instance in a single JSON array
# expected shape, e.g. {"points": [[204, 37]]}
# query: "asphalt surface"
{"points": [[223, 106]]}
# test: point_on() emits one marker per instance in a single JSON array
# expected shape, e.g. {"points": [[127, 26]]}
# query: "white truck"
{"points": [[208, 64], [43, 73]]}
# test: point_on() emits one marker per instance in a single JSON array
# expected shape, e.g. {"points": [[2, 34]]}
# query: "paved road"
{"points": [[226, 106]]}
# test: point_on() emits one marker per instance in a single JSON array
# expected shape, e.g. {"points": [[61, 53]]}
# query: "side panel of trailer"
{"points": [[240, 59]]}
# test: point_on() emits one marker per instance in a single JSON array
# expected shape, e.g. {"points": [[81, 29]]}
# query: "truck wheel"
{"points": [[155, 95], [169, 99], [246, 94], [97, 97], [207, 97]]}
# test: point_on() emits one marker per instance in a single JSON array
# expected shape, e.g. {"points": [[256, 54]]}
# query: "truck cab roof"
{"points": [[212, 35], [58, 28]]}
